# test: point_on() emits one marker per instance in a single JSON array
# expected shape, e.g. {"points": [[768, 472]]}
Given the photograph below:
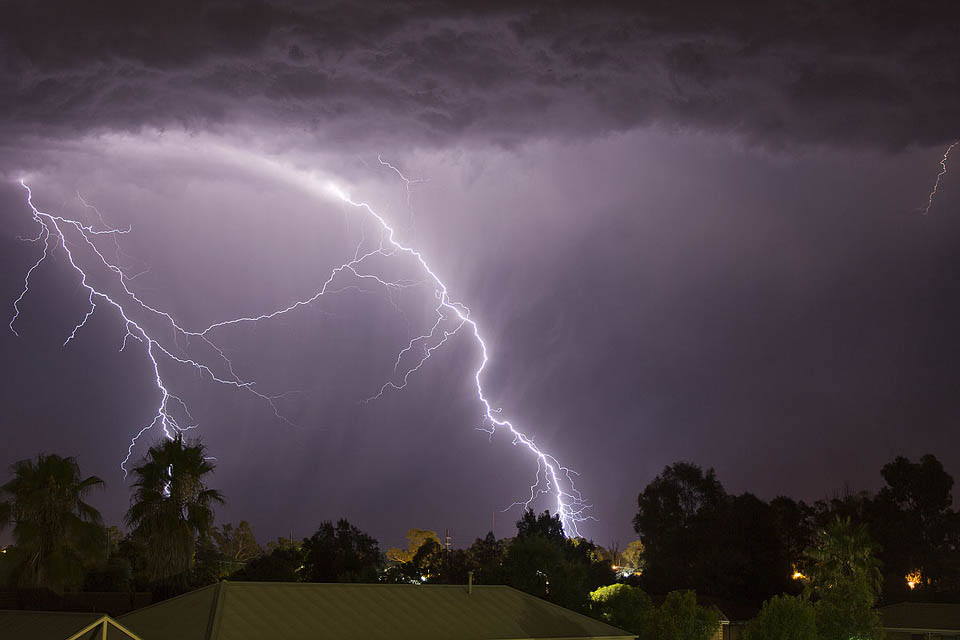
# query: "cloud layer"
{"points": [[849, 73]]}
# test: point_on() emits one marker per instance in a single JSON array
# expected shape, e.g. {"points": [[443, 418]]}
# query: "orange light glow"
{"points": [[914, 578]]}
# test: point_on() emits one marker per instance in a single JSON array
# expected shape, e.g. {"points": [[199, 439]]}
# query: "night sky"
{"points": [[686, 231]]}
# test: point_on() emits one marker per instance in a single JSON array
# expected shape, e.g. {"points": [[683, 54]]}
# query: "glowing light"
{"points": [[914, 578], [943, 172], [797, 575], [173, 415]]}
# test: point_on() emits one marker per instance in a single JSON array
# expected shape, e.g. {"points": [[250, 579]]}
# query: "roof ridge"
{"points": [[380, 585], [213, 622]]}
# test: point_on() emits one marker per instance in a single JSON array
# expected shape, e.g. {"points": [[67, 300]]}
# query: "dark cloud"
{"points": [[852, 73]]}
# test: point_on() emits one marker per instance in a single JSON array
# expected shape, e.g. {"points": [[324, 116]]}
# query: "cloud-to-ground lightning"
{"points": [[943, 172], [172, 414]]}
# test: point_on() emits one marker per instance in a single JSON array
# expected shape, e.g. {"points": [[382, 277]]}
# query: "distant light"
{"points": [[798, 576], [914, 578]]}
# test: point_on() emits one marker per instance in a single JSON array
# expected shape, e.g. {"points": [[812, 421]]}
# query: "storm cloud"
{"points": [[851, 73]]}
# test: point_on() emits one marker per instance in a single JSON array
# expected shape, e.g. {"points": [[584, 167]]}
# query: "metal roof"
{"points": [[57, 625], [302, 611], [920, 616]]}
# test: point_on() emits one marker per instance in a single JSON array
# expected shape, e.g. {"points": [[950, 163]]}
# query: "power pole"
{"points": [[446, 535]]}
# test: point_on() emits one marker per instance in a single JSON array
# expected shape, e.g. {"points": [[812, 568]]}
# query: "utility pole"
{"points": [[446, 543]]}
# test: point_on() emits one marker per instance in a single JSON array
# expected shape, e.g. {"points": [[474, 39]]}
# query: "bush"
{"points": [[678, 618], [681, 618], [624, 606], [784, 618]]}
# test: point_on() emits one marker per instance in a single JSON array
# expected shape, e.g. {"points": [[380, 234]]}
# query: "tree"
{"points": [[744, 558], [796, 531], [784, 618], [843, 574], [846, 612], [544, 525], [917, 528], [208, 565], [282, 564], [236, 544], [625, 607], [530, 564], [283, 543], [633, 556], [415, 539], [487, 555], [543, 562], [172, 507], [679, 514], [737, 547], [429, 560], [341, 553], [845, 553], [56, 532], [114, 572], [681, 618]]}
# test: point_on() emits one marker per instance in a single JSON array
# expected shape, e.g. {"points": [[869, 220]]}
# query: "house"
{"points": [[734, 615], [920, 621], [302, 611]]}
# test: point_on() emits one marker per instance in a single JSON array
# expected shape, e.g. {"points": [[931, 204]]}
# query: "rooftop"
{"points": [[918, 616], [302, 611]]}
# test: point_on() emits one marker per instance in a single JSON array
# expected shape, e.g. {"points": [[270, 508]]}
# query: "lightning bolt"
{"points": [[172, 414], [552, 477], [943, 172]]}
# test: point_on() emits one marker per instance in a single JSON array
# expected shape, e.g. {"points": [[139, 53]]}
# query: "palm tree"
{"points": [[172, 507], [846, 552], [55, 531]]}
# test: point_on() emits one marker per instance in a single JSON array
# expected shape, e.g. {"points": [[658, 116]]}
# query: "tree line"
{"points": [[739, 547], [817, 567]]}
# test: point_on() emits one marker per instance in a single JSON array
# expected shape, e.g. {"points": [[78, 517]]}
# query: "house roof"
{"points": [[919, 616], [58, 625], [301, 611]]}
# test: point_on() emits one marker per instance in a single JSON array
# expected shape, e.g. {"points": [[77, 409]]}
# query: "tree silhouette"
{"points": [[171, 508], [846, 552], [341, 553], [55, 530]]}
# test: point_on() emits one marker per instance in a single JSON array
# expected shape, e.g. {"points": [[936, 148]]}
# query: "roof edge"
{"points": [[157, 604], [626, 633], [919, 629]]}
